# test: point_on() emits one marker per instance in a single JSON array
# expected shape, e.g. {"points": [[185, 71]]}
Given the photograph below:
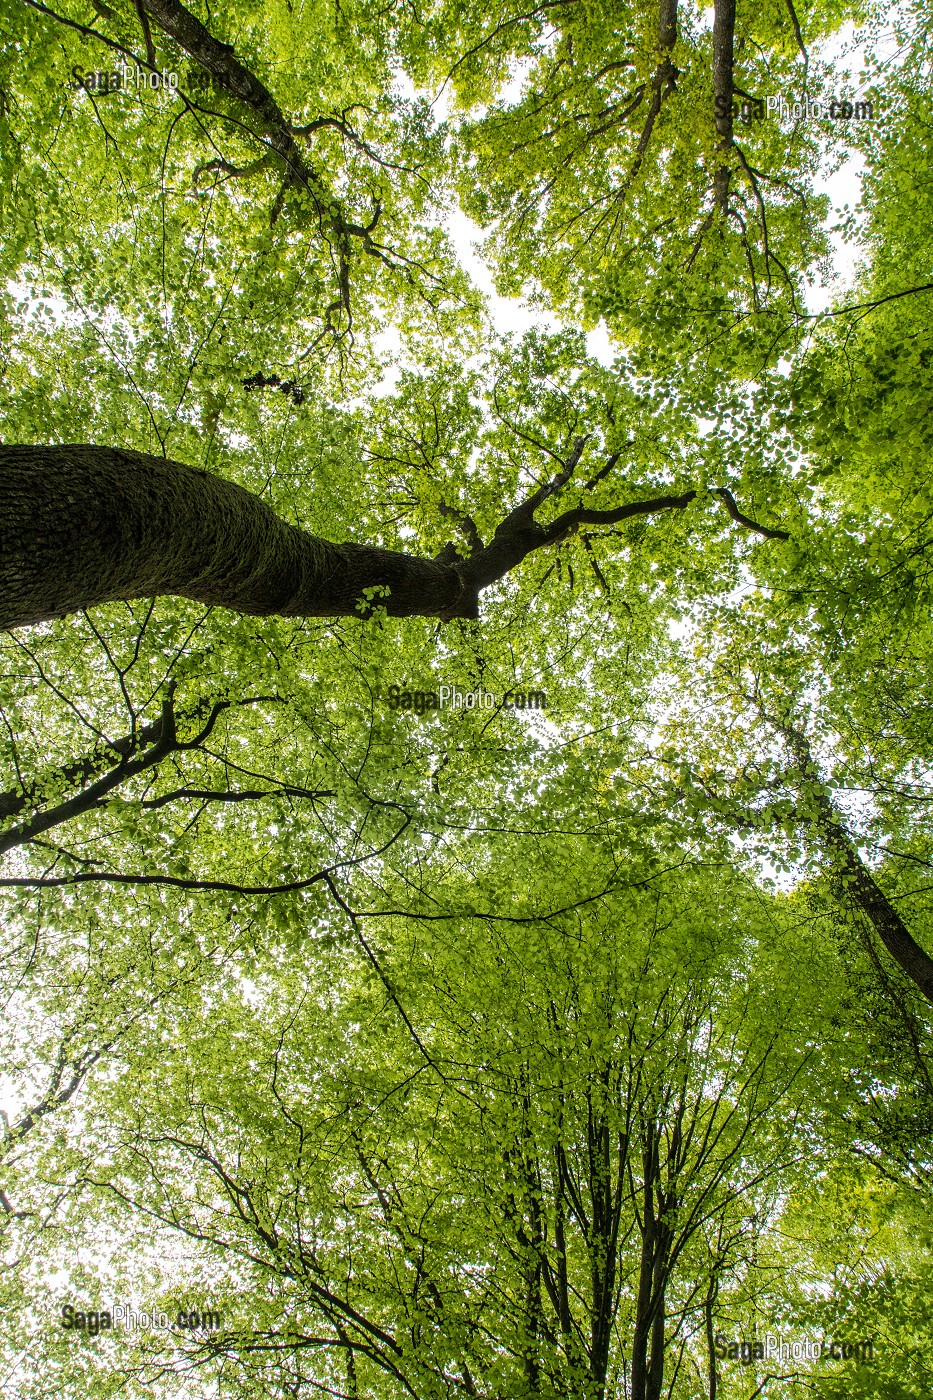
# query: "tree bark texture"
{"points": [[856, 881], [82, 525]]}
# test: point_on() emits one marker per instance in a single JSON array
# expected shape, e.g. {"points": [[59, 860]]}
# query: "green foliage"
{"points": [[434, 1050]]}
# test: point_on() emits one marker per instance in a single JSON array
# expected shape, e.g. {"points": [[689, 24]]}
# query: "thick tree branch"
{"points": [[519, 534], [13, 802], [94, 794], [82, 525], [222, 63], [467, 526]]}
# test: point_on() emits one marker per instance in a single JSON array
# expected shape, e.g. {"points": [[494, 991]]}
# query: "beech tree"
{"points": [[87, 525], [464, 1049], [128, 546]]}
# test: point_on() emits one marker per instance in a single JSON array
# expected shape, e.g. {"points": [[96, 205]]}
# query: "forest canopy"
{"points": [[466, 761]]}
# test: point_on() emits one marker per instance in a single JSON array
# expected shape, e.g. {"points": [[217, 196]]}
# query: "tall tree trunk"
{"points": [[643, 1316], [648, 1339], [723, 91], [655, 1376], [82, 525], [856, 882], [708, 1305], [644, 1313], [606, 1208]]}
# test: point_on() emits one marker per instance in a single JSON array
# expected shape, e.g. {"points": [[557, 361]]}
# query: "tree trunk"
{"points": [[82, 525], [856, 881], [859, 886]]}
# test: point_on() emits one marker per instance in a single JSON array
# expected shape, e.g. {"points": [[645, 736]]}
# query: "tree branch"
{"points": [[12, 802], [92, 796], [728, 500], [237, 795], [663, 82], [221, 61], [83, 525], [147, 35], [799, 37], [276, 133]]}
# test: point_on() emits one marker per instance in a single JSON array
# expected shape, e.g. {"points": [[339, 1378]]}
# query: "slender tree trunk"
{"points": [[644, 1297], [708, 1305], [643, 1316], [82, 525], [859, 886], [723, 90], [856, 882], [603, 1241], [655, 1375], [648, 1340]]}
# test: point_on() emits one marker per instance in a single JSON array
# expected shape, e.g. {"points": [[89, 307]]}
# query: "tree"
{"points": [[87, 525], [352, 1004], [36, 490], [507, 1192]]}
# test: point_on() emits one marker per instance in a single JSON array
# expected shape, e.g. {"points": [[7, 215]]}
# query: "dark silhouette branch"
{"points": [[93, 795], [95, 764], [867, 305], [603, 472], [237, 795], [86, 31], [798, 35], [728, 500], [165, 741], [147, 35], [178, 882], [12, 802]]}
